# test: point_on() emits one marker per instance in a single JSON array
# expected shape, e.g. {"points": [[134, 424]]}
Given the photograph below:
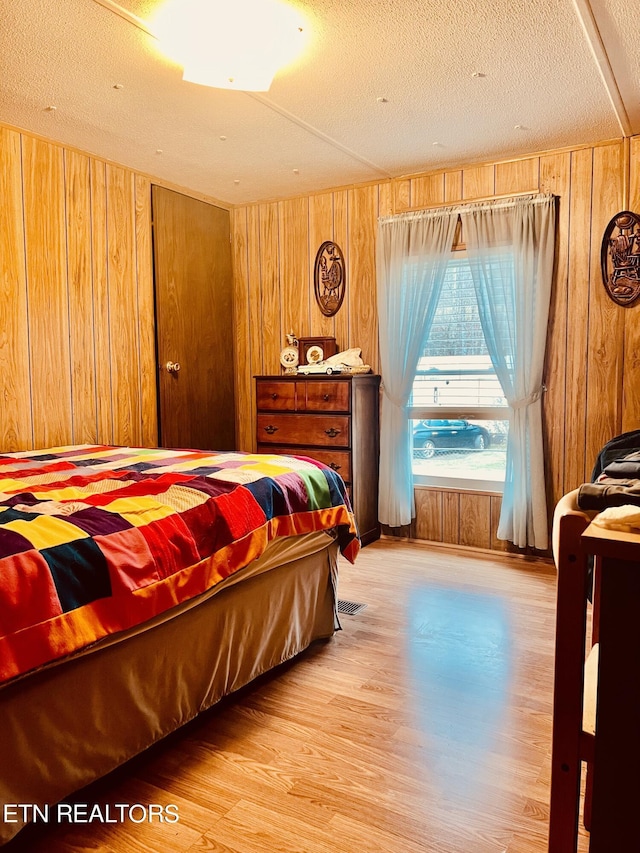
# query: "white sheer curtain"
{"points": [[412, 255], [510, 246]]}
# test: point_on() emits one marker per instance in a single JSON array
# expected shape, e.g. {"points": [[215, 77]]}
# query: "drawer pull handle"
{"points": [[270, 429], [335, 466], [326, 397], [274, 396], [333, 432]]}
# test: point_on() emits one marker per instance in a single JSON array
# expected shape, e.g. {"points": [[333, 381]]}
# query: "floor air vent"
{"points": [[350, 607]]}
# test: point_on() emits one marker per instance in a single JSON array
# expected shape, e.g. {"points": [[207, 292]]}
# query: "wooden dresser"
{"points": [[333, 419]]}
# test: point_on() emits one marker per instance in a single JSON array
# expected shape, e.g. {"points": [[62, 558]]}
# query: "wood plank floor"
{"points": [[424, 726]]}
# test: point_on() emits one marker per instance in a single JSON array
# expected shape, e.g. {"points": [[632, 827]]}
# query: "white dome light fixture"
{"points": [[230, 44]]}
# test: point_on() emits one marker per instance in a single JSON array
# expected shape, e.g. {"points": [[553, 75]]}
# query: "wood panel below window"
{"points": [[457, 517]]}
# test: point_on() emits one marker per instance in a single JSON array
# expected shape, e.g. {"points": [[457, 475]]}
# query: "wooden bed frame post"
{"points": [[571, 563], [595, 638], [616, 787]]}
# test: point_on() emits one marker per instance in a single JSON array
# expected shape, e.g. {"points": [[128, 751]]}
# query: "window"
{"points": [[458, 409]]}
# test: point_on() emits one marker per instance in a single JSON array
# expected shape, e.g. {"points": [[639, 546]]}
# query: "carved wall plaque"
{"points": [[620, 258], [329, 278]]}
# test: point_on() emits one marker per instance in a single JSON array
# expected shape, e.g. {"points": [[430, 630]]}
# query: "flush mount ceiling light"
{"points": [[230, 44]]}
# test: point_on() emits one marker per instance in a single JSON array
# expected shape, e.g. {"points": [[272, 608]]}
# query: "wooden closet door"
{"points": [[194, 322]]}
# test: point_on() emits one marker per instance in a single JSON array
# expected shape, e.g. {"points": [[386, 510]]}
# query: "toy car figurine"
{"points": [[319, 367]]}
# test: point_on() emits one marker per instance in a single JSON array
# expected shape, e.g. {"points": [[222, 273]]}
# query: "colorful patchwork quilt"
{"points": [[95, 539]]}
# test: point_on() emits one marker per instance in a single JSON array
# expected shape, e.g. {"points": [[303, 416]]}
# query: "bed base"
{"points": [[67, 726]]}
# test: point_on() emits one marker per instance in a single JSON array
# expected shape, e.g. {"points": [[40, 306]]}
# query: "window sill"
{"points": [[486, 487]]}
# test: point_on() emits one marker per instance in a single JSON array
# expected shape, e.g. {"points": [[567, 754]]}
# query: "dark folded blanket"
{"points": [[612, 492]]}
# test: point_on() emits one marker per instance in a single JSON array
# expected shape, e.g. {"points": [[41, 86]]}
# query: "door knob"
{"points": [[173, 366]]}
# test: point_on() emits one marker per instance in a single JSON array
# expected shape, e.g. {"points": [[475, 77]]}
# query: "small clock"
{"points": [[289, 357], [314, 355]]}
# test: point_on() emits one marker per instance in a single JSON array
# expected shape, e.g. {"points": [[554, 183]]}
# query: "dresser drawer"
{"points": [[339, 460], [276, 396], [317, 396], [323, 430]]}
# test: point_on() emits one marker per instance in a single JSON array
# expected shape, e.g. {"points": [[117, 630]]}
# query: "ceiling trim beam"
{"points": [[317, 133], [589, 23], [126, 15]]}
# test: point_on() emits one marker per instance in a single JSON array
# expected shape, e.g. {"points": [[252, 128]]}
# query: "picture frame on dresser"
{"points": [[331, 418]]}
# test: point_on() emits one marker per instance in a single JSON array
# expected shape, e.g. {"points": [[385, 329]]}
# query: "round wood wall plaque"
{"points": [[620, 258], [329, 279]]}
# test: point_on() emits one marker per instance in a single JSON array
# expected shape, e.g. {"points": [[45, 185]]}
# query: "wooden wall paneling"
{"points": [[428, 520], [427, 190], [401, 194], [78, 228], [453, 186], [363, 213], [606, 319], [385, 199], [631, 355], [555, 177], [478, 182], [451, 517], [495, 543], [256, 339], [320, 230], [273, 333], [570, 347], [101, 318], [577, 338], [46, 353], [48, 297], [475, 520], [634, 174], [16, 428], [518, 176], [385, 208], [123, 306], [341, 236], [146, 311], [255, 314], [293, 225], [242, 324]]}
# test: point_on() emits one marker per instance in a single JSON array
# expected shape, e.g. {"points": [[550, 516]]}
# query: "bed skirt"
{"points": [[68, 725]]}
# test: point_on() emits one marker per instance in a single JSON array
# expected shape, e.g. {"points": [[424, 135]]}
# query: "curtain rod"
{"points": [[489, 203]]}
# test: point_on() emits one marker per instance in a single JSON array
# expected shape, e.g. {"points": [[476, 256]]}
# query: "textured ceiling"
{"points": [[464, 81]]}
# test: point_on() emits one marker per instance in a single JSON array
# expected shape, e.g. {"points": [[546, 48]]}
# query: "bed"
{"points": [[138, 586]]}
